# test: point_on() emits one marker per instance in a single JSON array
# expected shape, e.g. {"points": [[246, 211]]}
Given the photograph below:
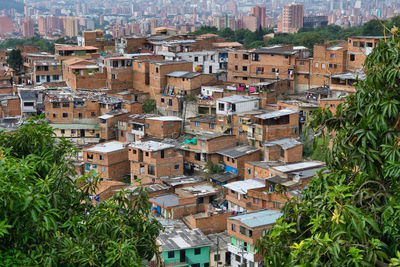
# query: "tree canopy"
{"points": [[349, 216], [307, 37], [14, 59], [47, 217], [43, 44]]}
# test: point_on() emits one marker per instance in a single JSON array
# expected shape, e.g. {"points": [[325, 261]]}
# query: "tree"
{"points": [[46, 214], [14, 59], [350, 216], [149, 106]]}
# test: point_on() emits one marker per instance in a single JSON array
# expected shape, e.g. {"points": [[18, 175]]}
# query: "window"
{"points": [[330, 65], [65, 115], [170, 102], [122, 134], [352, 57], [238, 258], [176, 167], [233, 227], [113, 76], [217, 257], [316, 65], [244, 68], [200, 200], [211, 125], [332, 55], [54, 115], [103, 169], [245, 78], [151, 170], [332, 105], [221, 106], [236, 67], [255, 200], [275, 70], [93, 114], [162, 100], [323, 65], [101, 157], [62, 131], [248, 170], [245, 56], [286, 56], [147, 154], [277, 205], [301, 63], [369, 44], [196, 124], [162, 152], [134, 151], [196, 59], [233, 161], [227, 159], [260, 70], [65, 104], [355, 44], [56, 77], [236, 56], [171, 254], [156, 69], [255, 57], [197, 251], [56, 104], [207, 264], [335, 66]]}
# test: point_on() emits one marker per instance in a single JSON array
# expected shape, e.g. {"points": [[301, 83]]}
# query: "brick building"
{"points": [[358, 48], [235, 158], [264, 64], [151, 160], [245, 230], [188, 199], [46, 72], [203, 148], [109, 160], [83, 74], [119, 73], [63, 52]]}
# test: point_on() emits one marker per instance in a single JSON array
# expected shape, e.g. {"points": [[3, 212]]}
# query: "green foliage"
{"points": [[14, 59], [149, 106], [212, 168], [47, 216], [350, 216], [307, 37], [43, 44]]}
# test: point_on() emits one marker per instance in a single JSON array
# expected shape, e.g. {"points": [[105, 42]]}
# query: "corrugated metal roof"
{"points": [[299, 166], [259, 218], [237, 98], [242, 186], [177, 239], [75, 126], [277, 113], [239, 151], [166, 201], [285, 143]]}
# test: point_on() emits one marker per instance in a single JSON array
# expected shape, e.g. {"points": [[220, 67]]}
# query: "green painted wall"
{"points": [[202, 258]]}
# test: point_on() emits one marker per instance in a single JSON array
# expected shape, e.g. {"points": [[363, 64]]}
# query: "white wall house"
{"points": [[237, 104]]}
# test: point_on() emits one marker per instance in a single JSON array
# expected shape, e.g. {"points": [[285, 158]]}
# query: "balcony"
{"points": [[206, 102], [241, 252]]}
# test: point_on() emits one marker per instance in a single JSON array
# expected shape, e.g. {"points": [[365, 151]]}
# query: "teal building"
{"points": [[184, 247]]}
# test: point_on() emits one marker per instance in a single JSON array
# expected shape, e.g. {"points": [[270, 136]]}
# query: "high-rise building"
{"points": [[250, 23], [292, 18], [223, 22], [71, 28], [260, 13], [28, 29], [6, 25], [42, 26]]}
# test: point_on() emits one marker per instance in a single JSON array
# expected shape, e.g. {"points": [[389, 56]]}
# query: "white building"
{"points": [[237, 104]]}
